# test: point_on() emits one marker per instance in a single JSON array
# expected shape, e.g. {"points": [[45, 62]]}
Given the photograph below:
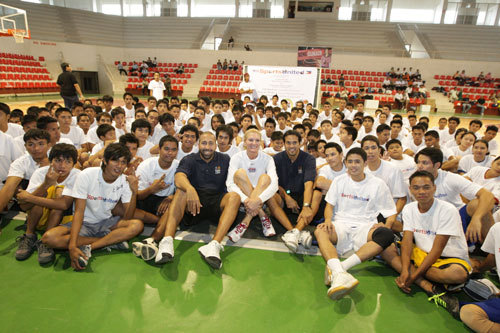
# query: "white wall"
{"points": [[84, 57]]}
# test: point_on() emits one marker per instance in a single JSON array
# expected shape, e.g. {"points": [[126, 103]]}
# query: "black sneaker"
{"points": [[26, 246], [45, 254], [447, 301]]}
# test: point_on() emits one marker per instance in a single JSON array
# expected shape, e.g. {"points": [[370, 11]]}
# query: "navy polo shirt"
{"points": [[205, 176], [292, 176]]}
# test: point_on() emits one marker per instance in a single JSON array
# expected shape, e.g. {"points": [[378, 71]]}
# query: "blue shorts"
{"points": [[492, 308], [464, 217]]}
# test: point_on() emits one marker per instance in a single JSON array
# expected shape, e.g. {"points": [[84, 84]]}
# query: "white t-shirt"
{"points": [[14, 130], [247, 86], [410, 144], [150, 170], [357, 203], [271, 151], [392, 177], [76, 135], [449, 186], [129, 113], [477, 175], [231, 151], [39, 176], [445, 136], [265, 138], [345, 149], [19, 142], [492, 244], [283, 130], [158, 87], [406, 165], [327, 172], [262, 164], [101, 197], [493, 147], [362, 133], [334, 138], [143, 151], [181, 153], [459, 152], [320, 161], [441, 219], [466, 163], [23, 167]]}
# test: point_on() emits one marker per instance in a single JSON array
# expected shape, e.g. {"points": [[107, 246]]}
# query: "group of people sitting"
{"points": [[465, 80], [92, 176], [232, 66]]}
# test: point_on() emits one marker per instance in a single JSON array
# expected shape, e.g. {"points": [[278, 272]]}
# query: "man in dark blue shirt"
{"points": [[201, 192], [296, 173]]}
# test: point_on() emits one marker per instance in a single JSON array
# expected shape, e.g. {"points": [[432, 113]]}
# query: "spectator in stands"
{"points": [[168, 85], [247, 47], [135, 68], [69, 86], [180, 69], [341, 80], [121, 69], [230, 43], [453, 95], [235, 65], [230, 65], [488, 78], [219, 65], [224, 64], [246, 88], [154, 63], [144, 72], [480, 77]]}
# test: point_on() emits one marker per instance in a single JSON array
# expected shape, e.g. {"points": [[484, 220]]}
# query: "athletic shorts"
{"points": [[492, 308], [210, 210], [351, 237], [99, 229], [150, 204], [67, 215], [418, 255], [299, 197], [464, 217]]}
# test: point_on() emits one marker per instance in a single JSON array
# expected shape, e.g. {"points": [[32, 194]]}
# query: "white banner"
{"points": [[290, 83]]}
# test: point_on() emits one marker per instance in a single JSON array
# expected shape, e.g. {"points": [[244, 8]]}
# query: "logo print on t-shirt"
{"points": [[251, 170], [217, 170]]}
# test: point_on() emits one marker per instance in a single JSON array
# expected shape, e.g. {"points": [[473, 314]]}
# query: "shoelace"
{"points": [[240, 228], [266, 222], [437, 300]]}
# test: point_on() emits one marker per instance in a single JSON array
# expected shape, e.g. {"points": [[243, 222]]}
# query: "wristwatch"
{"points": [[307, 205]]}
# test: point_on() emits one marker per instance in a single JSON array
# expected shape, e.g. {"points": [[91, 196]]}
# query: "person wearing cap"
{"points": [[246, 88], [69, 86]]}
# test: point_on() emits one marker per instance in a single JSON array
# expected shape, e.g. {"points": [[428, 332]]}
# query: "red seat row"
{"points": [[27, 85], [219, 90], [160, 64], [351, 72], [24, 77], [16, 56]]}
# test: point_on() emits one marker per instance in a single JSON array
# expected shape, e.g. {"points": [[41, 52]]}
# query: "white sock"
{"points": [[335, 265], [165, 238], [351, 262]]}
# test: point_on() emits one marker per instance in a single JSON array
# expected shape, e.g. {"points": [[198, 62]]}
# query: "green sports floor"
{"points": [[255, 291]]}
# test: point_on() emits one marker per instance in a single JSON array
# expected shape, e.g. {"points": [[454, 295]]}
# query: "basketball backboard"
{"points": [[14, 22]]}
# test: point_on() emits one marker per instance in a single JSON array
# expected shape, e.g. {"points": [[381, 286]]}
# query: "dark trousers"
{"points": [[69, 101]]}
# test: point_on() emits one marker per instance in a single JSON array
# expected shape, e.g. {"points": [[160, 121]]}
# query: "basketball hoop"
{"points": [[18, 35]]}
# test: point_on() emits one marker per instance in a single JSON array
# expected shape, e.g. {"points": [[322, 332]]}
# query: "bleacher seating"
{"points": [[24, 74], [178, 81], [221, 83]]}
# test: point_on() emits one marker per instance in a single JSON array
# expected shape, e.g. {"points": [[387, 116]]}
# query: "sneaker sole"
{"points": [[270, 235], [24, 257], [164, 259], [307, 244], [292, 247], [148, 252], [213, 262], [137, 248], [338, 293], [46, 260]]}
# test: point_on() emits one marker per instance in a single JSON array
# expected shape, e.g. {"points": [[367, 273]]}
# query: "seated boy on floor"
{"points": [[156, 191], [96, 193], [434, 250], [48, 207], [107, 135]]}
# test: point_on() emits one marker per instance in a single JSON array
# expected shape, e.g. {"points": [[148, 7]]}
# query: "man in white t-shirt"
{"points": [[156, 87], [22, 167], [246, 88], [43, 197], [96, 192], [354, 201], [414, 143], [476, 214], [433, 250], [156, 192], [73, 133], [403, 162]]}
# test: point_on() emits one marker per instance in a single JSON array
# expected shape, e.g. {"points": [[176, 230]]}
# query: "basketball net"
{"points": [[18, 35]]}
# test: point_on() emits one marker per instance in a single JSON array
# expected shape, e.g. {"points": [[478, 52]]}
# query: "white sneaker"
{"points": [[267, 227], [291, 239], [210, 252], [342, 284], [165, 250], [328, 276], [238, 231], [305, 239], [146, 249], [87, 251]]}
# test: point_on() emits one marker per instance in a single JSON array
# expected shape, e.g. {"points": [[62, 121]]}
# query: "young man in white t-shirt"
{"points": [[415, 142], [476, 214], [354, 201], [224, 135], [141, 128], [129, 108], [276, 144], [20, 167], [433, 249], [96, 192], [156, 87], [43, 197], [73, 133], [156, 192], [403, 162]]}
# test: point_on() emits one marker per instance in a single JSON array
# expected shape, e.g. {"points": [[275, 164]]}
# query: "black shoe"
{"points": [[45, 254], [447, 301], [27, 245]]}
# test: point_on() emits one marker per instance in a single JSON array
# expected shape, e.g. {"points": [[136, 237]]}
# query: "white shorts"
{"points": [[350, 237]]}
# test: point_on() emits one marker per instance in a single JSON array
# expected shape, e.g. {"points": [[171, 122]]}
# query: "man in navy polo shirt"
{"points": [[201, 192], [296, 173]]}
